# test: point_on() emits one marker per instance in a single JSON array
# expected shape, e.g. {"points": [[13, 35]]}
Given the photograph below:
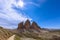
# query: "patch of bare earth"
{"points": [[27, 39], [11, 38]]}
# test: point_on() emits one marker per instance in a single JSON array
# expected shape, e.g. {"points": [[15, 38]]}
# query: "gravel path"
{"points": [[11, 38], [27, 39]]}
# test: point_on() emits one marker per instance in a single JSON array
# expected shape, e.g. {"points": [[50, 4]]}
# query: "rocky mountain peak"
{"points": [[20, 26], [27, 25], [35, 26]]}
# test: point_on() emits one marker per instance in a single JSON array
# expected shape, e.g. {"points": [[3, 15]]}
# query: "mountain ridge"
{"points": [[27, 25], [28, 31]]}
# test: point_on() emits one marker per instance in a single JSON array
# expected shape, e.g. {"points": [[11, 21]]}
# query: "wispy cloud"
{"points": [[8, 16], [36, 3], [11, 14]]}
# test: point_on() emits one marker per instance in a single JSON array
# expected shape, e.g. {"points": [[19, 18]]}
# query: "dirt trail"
{"points": [[27, 39], [11, 38]]}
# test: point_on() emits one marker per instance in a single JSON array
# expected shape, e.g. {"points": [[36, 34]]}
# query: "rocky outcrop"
{"points": [[20, 26], [35, 26], [28, 26], [55, 37]]}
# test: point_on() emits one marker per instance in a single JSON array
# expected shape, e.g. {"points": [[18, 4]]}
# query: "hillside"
{"points": [[5, 34], [29, 31]]}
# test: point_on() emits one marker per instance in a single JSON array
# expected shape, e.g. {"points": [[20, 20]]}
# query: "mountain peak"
{"points": [[35, 26], [20, 26], [27, 25]]}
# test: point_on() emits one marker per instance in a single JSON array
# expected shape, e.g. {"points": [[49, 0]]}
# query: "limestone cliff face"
{"points": [[27, 24], [35, 26], [20, 26]]}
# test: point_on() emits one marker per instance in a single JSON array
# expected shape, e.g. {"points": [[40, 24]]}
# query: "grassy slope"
{"points": [[52, 35], [41, 36], [4, 34]]}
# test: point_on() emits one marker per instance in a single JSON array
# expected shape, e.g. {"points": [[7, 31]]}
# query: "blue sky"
{"points": [[46, 13]]}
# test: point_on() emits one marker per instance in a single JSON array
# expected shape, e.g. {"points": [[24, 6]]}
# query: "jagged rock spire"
{"points": [[27, 24], [20, 26], [35, 26]]}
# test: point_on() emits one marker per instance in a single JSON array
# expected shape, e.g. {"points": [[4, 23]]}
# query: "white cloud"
{"points": [[36, 3], [9, 15], [32, 3]]}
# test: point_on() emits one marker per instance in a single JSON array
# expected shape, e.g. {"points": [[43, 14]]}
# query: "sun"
{"points": [[21, 4]]}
